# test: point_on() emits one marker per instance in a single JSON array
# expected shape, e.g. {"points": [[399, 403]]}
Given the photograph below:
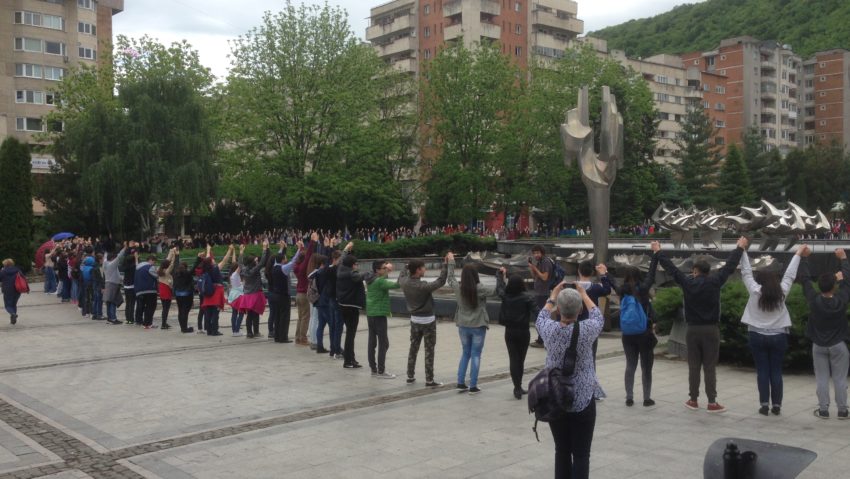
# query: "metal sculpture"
{"points": [[598, 170]]}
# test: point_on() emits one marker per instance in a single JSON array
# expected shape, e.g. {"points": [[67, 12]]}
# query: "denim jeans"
{"points": [[314, 323], [322, 321], [236, 320], [472, 341], [211, 319], [111, 311], [49, 280], [66, 289], [768, 353], [10, 302], [97, 303], [335, 327]]}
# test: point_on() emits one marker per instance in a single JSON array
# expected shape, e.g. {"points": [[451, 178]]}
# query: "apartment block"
{"points": [[408, 32], [762, 89], [826, 98], [41, 40]]}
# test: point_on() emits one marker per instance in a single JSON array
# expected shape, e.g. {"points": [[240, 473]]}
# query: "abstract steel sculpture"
{"points": [[598, 170]]}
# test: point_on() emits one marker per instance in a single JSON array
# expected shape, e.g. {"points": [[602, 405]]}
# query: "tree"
{"points": [[466, 92], [149, 149], [16, 204], [766, 166], [698, 157], [310, 112], [734, 189]]}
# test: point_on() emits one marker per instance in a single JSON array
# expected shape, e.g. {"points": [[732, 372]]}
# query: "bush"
{"points": [[734, 347], [16, 203]]}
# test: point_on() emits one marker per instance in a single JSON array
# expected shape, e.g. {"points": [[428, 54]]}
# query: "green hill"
{"points": [[807, 25]]}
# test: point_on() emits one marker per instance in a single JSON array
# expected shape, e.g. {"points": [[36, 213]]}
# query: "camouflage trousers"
{"points": [[418, 332]]}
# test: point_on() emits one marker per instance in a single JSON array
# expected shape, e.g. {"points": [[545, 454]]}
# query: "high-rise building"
{"points": [[826, 100], [41, 40], [407, 32], [762, 89]]}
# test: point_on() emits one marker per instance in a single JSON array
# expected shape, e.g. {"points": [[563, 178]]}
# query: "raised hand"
{"points": [[805, 251], [743, 243], [314, 236], [841, 254], [349, 246]]}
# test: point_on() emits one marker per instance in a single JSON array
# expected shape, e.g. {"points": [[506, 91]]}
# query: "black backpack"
{"points": [[553, 391], [556, 275]]}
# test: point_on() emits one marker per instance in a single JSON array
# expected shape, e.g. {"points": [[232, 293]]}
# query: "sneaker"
{"points": [[648, 403], [201, 331], [250, 336], [338, 356], [165, 326], [217, 333], [352, 366], [129, 322], [535, 344], [14, 319], [321, 351], [821, 413], [385, 375], [517, 393], [433, 384], [147, 327], [153, 326], [630, 402], [312, 346], [715, 407], [692, 405], [258, 335], [842, 415], [374, 372], [764, 410], [474, 390], [461, 387], [776, 410], [237, 335], [410, 380]]}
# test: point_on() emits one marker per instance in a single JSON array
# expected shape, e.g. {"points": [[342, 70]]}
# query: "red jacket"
{"points": [[300, 269]]}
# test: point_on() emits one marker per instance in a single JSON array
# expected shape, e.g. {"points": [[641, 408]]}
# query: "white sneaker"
{"points": [[385, 375], [236, 335]]}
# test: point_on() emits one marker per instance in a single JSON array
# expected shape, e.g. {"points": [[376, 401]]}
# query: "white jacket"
{"points": [[753, 315]]}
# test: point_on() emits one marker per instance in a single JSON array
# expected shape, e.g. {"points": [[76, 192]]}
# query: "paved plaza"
{"points": [[80, 399]]}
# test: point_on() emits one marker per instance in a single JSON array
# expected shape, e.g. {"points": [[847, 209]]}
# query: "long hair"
{"points": [[771, 297], [515, 286], [163, 267], [631, 283], [315, 261], [469, 285]]}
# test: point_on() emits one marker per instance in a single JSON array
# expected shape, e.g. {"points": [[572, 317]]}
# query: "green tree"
{"points": [[766, 169], [310, 123], [795, 185], [150, 148], [734, 188], [16, 206], [465, 94], [698, 157]]}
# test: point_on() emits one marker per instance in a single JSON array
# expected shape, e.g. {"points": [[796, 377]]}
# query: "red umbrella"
{"points": [[39, 255]]}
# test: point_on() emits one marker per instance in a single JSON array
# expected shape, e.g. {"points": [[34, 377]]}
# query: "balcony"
{"points": [[408, 65], [490, 30], [453, 31], [397, 46], [398, 24], [453, 8], [491, 6], [568, 6], [550, 41], [553, 20], [768, 64]]}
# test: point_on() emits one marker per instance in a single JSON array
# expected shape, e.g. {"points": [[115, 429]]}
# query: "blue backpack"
{"points": [[205, 285], [632, 316], [556, 275]]}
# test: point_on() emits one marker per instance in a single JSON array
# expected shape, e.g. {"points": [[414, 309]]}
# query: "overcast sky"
{"points": [[209, 24]]}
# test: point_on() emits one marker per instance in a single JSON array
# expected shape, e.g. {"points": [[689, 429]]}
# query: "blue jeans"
{"points": [[236, 320], [768, 353], [472, 340], [66, 289], [97, 303], [10, 302], [321, 322], [211, 319], [111, 311], [334, 327], [49, 280]]}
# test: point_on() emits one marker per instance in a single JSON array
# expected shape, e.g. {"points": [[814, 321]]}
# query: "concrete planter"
{"points": [[676, 341]]}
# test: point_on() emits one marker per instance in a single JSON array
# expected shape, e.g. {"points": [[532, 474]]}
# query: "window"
{"points": [[709, 61], [54, 48], [426, 9], [723, 72], [29, 96], [87, 28], [810, 96], [518, 29], [427, 32], [678, 82], [706, 87], [822, 79], [823, 108], [696, 62], [823, 64], [40, 20], [720, 107], [719, 140], [722, 57], [517, 6], [87, 53], [87, 4], [720, 124], [518, 51], [28, 70], [662, 79], [820, 94], [810, 83], [28, 44], [427, 53], [706, 105], [53, 73], [823, 123], [810, 139], [720, 89], [29, 124]]}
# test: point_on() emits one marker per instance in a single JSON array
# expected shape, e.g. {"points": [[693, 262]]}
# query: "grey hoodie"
{"points": [[417, 293], [111, 268]]}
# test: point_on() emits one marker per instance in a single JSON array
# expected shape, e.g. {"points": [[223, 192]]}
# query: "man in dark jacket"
{"points": [[351, 296], [827, 328], [145, 285], [701, 292]]}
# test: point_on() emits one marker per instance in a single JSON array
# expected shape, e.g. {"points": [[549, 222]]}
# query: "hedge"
{"points": [[734, 347]]}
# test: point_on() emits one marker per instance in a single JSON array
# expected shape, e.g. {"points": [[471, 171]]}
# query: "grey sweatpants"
{"points": [[703, 342], [831, 363]]}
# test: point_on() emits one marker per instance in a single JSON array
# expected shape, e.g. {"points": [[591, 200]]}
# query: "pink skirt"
{"points": [[253, 302]]}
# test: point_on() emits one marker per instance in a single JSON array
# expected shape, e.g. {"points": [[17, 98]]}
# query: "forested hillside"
{"points": [[807, 25]]}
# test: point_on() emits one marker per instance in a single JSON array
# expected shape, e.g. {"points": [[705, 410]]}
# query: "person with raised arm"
{"points": [[252, 301], [517, 312], [112, 291], [277, 272], [301, 302]]}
